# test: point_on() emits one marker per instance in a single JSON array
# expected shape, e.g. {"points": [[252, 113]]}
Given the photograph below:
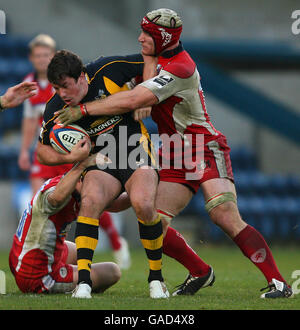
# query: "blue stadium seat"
{"points": [[20, 68], [260, 183], [7, 46], [5, 70], [293, 183], [243, 159], [279, 185]]}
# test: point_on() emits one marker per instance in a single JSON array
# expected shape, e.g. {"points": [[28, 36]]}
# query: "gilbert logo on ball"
{"points": [[63, 139]]}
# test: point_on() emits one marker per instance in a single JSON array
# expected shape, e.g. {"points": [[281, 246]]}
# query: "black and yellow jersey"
{"points": [[105, 76]]}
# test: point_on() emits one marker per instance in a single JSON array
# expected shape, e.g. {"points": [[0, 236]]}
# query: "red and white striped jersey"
{"points": [[38, 241]]}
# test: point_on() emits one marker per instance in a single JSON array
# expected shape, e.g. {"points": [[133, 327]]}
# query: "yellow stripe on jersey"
{"points": [[112, 87], [117, 61], [145, 141]]}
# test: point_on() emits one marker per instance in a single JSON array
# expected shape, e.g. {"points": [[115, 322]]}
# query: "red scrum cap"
{"points": [[164, 25]]}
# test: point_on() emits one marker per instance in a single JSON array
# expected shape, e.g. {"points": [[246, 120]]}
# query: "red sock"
{"points": [[107, 224], [175, 246], [254, 247]]}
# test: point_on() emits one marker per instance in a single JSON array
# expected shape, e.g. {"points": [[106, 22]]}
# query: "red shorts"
{"points": [[31, 276], [216, 163], [46, 172]]}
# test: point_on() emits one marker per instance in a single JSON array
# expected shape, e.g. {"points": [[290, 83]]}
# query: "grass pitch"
{"points": [[236, 287]]}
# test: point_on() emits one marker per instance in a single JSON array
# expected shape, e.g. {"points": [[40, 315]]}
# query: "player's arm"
{"points": [[17, 94], [30, 124], [68, 183], [118, 103], [48, 156]]}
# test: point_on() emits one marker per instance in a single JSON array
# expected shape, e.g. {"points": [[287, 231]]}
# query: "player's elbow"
{"points": [[40, 154], [140, 97]]}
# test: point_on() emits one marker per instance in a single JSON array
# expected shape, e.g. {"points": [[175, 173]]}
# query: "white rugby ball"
{"points": [[63, 139]]}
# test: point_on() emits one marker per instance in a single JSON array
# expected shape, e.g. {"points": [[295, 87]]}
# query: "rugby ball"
{"points": [[63, 139]]}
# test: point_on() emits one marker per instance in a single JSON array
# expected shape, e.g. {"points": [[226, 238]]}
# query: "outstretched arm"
{"points": [[16, 95]]}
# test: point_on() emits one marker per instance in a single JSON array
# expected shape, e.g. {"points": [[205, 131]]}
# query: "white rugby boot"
{"points": [[158, 290], [122, 256], [82, 290]]}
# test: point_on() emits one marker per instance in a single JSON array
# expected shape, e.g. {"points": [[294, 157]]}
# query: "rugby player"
{"points": [[75, 83], [178, 107], [40, 259]]}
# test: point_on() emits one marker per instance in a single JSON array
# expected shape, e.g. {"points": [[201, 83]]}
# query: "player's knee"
{"points": [[144, 209], [224, 214], [90, 204]]}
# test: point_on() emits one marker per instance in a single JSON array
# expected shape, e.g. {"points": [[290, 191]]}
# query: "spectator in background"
{"points": [[41, 51]]}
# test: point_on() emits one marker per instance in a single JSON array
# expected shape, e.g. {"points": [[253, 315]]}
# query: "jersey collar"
{"points": [[173, 52]]}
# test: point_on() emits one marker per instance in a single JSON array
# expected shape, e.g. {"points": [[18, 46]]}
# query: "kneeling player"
{"points": [[40, 258]]}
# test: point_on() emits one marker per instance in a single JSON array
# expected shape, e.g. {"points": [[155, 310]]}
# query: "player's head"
{"points": [[164, 26], [66, 73], [41, 50]]}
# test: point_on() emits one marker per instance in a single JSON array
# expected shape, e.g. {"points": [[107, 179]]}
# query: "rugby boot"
{"points": [[82, 290], [192, 284], [158, 290], [277, 289]]}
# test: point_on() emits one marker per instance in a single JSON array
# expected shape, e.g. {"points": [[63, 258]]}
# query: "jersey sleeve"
{"points": [[165, 84], [53, 105], [43, 204]]}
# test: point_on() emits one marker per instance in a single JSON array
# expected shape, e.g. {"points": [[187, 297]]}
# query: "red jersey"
{"points": [[181, 108], [181, 116], [35, 106], [38, 242]]}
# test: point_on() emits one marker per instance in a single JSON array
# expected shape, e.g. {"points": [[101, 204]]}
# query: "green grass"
{"points": [[236, 288]]}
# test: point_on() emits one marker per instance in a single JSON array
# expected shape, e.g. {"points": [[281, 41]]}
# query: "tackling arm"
{"points": [[118, 103]]}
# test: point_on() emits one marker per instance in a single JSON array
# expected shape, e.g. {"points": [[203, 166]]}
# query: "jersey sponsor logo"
{"points": [[22, 222], [103, 124], [163, 80]]}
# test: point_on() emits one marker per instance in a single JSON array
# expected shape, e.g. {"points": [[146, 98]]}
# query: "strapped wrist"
{"points": [[83, 110]]}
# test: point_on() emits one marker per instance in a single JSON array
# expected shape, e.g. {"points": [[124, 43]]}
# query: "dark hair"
{"points": [[64, 64]]}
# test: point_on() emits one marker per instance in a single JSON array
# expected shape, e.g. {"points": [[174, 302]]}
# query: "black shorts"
{"points": [[127, 152]]}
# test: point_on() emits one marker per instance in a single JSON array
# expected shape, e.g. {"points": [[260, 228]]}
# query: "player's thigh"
{"points": [[143, 184], [172, 197], [99, 189]]}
